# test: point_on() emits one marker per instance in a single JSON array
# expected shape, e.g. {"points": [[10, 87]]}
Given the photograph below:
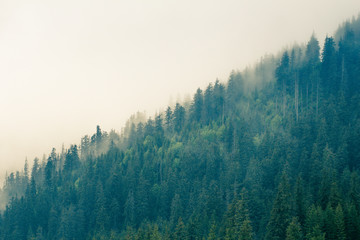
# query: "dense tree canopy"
{"points": [[271, 154]]}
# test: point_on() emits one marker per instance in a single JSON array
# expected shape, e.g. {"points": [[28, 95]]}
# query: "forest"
{"points": [[273, 153]]}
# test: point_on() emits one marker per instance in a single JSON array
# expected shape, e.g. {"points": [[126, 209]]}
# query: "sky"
{"points": [[67, 66]]}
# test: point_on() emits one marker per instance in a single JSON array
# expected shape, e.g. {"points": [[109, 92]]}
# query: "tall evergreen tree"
{"points": [[197, 106], [281, 211], [179, 117], [293, 231]]}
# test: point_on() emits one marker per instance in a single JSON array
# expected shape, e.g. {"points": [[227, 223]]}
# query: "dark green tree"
{"points": [[197, 106], [180, 231], [330, 83], [293, 231], [179, 117], [281, 211]]}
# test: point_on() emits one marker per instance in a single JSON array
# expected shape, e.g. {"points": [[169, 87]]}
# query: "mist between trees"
{"points": [[271, 154]]}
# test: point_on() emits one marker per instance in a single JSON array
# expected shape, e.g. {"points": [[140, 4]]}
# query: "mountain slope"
{"points": [[271, 154]]}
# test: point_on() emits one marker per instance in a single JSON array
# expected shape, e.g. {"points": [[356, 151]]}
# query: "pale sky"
{"points": [[67, 66]]}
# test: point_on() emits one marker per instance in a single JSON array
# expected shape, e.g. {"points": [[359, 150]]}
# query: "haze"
{"points": [[67, 66]]}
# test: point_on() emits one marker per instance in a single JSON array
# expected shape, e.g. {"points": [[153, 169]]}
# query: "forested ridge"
{"points": [[274, 153]]}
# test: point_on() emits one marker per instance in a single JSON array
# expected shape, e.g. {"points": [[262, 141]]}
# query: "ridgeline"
{"points": [[274, 153]]}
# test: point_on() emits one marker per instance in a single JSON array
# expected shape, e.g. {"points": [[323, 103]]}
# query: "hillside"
{"points": [[271, 154]]}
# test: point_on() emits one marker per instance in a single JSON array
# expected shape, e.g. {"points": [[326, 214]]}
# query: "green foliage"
{"points": [[180, 231], [293, 231], [287, 130], [281, 211], [212, 232], [246, 231], [316, 234]]}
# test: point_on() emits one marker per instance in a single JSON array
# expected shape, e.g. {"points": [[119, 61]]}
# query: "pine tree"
{"points": [[72, 159], [197, 106], [168, 117], [219, 100], [293, 231], [209, 104], [339, 223], [281, 211], [130, 233], [234, 91], [179, 117], [313, 51], [159, 131], [246, 231], [329, 223], [310, 84], [316, 234], [237, 221], [100, 210], [155, 234], [212, 233], [282, 74], [26, 173], [352, 222], [180, 231], [176, 209], [129, 210], [299, 201], [328, 67], [314, 218]]}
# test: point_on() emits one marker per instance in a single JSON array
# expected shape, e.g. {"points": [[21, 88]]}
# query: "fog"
{"points": [[67, 66]]}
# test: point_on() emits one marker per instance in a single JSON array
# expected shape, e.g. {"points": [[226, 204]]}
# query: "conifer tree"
{"points": [[130, 234], [212, 232], [246, 231], [300, 201], [293, 231], [339, 223], [281, 211], [179, 117], [314, 218], [180, 231], [209, 103], [316, 234], [197, 106], [328, 67]]}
